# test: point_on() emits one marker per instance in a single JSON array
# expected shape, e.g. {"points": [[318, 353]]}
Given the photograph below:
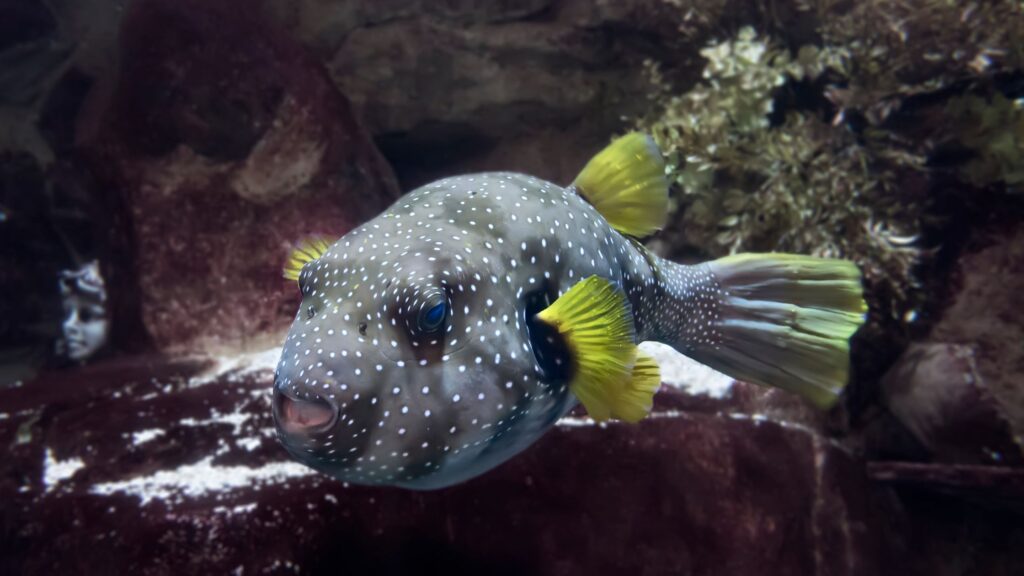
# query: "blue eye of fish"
{"points": [[431, 320]]}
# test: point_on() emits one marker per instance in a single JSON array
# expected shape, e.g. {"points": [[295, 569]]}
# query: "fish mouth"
{"points": [[296, 416]]}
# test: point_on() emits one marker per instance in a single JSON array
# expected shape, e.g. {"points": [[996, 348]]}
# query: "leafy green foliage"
{"points": [[746, 185], [993, 129], [903, 47], [757, 170]]}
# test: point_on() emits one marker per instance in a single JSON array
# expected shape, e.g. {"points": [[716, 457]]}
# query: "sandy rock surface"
{"points": [[160, 466]]}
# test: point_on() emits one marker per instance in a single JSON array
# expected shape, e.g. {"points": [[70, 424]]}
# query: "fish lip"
{"points": [[281, 402]]}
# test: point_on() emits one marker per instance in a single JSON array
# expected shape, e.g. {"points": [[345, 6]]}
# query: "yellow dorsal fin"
{"points": [[609, 377], [626, 183], [307, 250]]}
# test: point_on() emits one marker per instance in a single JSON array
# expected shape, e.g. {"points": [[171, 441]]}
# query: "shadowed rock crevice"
{"points": [[224, 150]]}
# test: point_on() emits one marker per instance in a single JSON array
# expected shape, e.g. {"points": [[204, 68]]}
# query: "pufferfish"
{"points": [[449, 333]]}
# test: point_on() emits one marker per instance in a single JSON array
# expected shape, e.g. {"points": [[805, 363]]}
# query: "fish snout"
{"points": [[300, 416]]}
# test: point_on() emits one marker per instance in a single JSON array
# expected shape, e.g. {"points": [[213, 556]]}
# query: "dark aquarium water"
{"points": [[165, 164]]}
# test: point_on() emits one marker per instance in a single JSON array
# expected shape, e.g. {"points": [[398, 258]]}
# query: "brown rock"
{"points": [[936, 391], [225, 142], [986, 313], [535, 86], [462, 86], [151, 466], [189, 477], [999, 485], [961, 391]]}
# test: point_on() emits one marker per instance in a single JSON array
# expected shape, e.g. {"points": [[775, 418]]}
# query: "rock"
{"points": [[184, 453], [535, 86], [985, 312], [58, 114], [30, 256], [961, 390], [51, 215], [30, 51], [24, 21], [951, 520], [999, 485], [224, 142], [936, 391], [462, 86]]}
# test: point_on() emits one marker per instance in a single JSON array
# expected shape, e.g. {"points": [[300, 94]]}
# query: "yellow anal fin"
{"points": [[626, 183], [609, 376], [306, 251]]}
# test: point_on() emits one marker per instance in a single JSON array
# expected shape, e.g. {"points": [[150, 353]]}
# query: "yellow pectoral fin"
{"points": [[610, 377], [307, 250], [635, 400], [626, 183]]}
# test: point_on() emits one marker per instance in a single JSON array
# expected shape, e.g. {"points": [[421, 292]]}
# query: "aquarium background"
{"points": [[184, 146]]}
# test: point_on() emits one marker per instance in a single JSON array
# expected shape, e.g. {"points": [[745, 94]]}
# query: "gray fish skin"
{"points": [[424, 412]]}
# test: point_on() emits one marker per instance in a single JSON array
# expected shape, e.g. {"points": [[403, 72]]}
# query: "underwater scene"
{"points": [[535, 287]]}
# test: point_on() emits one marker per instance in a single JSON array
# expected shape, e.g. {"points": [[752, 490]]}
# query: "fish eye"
{"points": [[310, 312], [432, 317]]}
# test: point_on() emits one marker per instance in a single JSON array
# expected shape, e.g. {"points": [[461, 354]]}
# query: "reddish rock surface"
{"points": [[986, 313], [961, 390], [937, 392], [151, 467], [224, 142]]}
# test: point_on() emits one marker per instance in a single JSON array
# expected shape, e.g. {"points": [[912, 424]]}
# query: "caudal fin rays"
{"points": [[785, 320]]}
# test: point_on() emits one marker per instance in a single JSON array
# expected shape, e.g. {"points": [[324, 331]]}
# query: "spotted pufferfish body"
{"points": [[449, 333]]}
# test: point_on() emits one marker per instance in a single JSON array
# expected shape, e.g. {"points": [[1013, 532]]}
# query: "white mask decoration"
{"points": [[86, 325]]}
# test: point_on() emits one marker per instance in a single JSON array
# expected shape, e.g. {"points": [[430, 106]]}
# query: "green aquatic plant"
{"points": [[903, 47], [992, 129], [954, 52], [837, 148], [800, 183]]}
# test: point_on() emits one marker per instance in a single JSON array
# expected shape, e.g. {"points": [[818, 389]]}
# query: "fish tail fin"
{"points": [[626, 183], [785, 320]]}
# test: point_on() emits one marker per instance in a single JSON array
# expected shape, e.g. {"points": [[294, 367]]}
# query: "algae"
{"points": [[834, 148]]}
